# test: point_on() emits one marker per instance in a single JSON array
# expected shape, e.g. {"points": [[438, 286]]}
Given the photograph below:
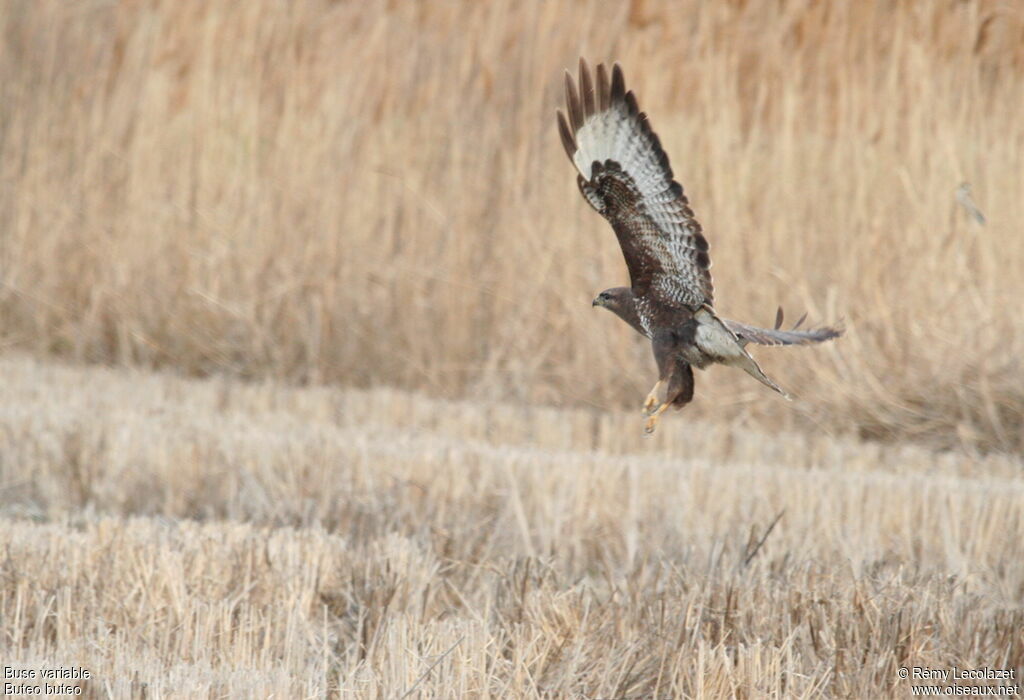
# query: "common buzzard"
{"points": [[624, 174]]}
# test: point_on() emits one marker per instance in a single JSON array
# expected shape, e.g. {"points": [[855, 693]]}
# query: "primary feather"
{"points": [[625, 175]]}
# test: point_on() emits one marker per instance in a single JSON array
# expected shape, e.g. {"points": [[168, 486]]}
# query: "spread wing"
{"points": [[625, 175]]}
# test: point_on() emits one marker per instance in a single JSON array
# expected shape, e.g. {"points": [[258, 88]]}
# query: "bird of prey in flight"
{"points": [[624, 174]]}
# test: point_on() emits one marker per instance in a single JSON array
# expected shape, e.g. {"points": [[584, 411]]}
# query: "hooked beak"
{"points": [[594, 303]]}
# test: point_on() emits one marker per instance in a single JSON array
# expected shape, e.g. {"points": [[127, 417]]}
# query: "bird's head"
{"points": [[620, 301], [614, 299]]}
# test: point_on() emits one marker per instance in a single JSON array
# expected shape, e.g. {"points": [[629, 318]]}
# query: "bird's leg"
{"points": [[664, 346], [652, 398], [652, 420]]}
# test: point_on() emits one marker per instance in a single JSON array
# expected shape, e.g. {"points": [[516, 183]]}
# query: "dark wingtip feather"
{"points": [[568, 142], [572, 103], [798, 323], [778, 319], [632, 106], [603, 90], [618, 92], [586, 89]]}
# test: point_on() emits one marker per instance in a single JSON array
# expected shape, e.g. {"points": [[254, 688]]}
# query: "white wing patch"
{"points": [[607, 137]]}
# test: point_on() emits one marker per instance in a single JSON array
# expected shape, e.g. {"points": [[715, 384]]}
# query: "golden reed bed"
{"points": [[374, 193]]}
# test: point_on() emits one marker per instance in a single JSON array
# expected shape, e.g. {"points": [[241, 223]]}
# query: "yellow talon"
{"points": [[652, 398], [652, 420]]}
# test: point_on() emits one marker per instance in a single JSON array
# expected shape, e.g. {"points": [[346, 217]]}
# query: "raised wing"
{"points": [[625, 175]]}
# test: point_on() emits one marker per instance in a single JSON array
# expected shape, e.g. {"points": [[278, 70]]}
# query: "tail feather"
{"points": [[777, 336], [716, 339]]}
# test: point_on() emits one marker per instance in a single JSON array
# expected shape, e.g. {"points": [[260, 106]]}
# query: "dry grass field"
{"points": [[301, 393], [187, 538]]}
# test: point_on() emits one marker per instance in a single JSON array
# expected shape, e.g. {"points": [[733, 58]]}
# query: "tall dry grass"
{"points": [[374, 193], [183, 538]]}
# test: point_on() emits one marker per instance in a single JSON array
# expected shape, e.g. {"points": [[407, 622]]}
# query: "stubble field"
{"points": [[301, 393], [187, 538]]}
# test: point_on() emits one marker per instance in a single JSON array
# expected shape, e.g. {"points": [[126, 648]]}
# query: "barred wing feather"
{"points": [[625, 175]]}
